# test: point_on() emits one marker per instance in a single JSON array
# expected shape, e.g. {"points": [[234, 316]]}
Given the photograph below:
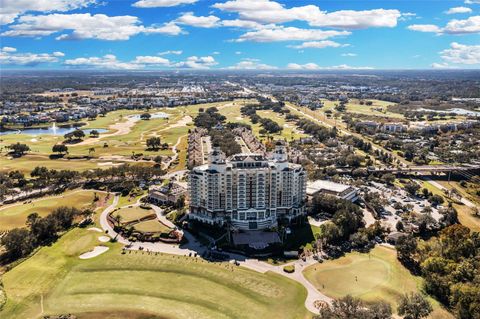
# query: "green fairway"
{"points": [[375, 276], [139, 283], [378, 108], [15, 215]]}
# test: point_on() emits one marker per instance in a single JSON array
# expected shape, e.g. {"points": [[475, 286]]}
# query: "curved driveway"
{"points": [[195, 247]]}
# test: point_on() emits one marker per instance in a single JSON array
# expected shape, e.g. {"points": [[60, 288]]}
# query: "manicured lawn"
{"points": [[15, 215], [371, 277], [138, 283], [128, 214], [152, 226]]}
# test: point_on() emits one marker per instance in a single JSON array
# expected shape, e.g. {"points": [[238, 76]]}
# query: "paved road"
{"points": [[195, 247], [443, 188]]}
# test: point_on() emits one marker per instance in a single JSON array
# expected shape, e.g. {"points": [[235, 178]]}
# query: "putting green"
{"points": [[138, 284], [371, 277]]}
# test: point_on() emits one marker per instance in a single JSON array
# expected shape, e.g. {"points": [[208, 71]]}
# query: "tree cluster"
{"points": [[20, 242], [450, 265]]}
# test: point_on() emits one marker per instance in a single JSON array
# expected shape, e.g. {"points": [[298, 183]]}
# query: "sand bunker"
{"points": [[104, 239], [98, 250], [98, 230]]}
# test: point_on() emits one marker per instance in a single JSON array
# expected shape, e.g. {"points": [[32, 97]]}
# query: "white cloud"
{"points": [[108, 61], [8, 56], [8, 49], [441, 66], [266, 11], [424, 28], [216, 53], [195, 62], [251, 64], [317, 45], [151, 60], [307, 66], [349, 67], [349, 54], [314, 66], [472, 1], [175, 52], [456, 10], [470, 25], [11, 9], [461, 54], [86, 26], [289, 34], [161, 3], [466, 26], [244, 24], [350, 19], [58, 54], [189, 18]]}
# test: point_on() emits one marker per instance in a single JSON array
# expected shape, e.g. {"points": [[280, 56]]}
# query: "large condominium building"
{"points": [[247, 191]]}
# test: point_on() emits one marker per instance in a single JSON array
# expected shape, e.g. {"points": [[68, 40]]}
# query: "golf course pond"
{"points": [[52, 130]]}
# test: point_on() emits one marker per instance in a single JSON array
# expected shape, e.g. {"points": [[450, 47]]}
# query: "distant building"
{"points": [[247, 191], [342, 191]]}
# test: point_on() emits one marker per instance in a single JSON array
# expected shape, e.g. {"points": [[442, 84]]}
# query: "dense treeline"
{"points": [[268, 125], [450, 266], [20, 242], [209, 118], [320, 132], [346, 217], [119, 178], [219, 132]]}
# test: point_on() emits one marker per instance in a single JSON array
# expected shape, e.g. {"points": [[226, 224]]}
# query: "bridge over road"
{"points": [[458, 169]]}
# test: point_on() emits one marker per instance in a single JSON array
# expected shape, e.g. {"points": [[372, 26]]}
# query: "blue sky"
{"points": [[239, 34]]}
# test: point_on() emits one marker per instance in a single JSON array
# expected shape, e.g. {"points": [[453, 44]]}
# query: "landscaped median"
{"points": [[289, 269], [140, 223]]}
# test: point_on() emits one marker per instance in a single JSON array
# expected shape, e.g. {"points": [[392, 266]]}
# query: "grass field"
{"points": [[130, 214], [152, 226], [15, 215], [378, 108], [138, 283], [371, 277]]}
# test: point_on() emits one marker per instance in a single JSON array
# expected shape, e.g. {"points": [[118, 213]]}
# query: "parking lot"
{"points": [[397, 198]]}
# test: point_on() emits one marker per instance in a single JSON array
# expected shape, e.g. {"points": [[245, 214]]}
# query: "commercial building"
{"points": [[247, 191], [330, 188]]}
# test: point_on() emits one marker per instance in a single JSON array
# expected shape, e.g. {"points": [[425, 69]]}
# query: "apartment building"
{"points": [[247, 191]]}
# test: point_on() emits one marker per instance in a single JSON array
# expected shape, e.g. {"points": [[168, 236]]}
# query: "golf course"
{"points": [[15, 215], [374, 276], [142, 285]]}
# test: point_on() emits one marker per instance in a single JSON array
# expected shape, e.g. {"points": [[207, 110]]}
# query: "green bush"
{"points": [[289, 269]]}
